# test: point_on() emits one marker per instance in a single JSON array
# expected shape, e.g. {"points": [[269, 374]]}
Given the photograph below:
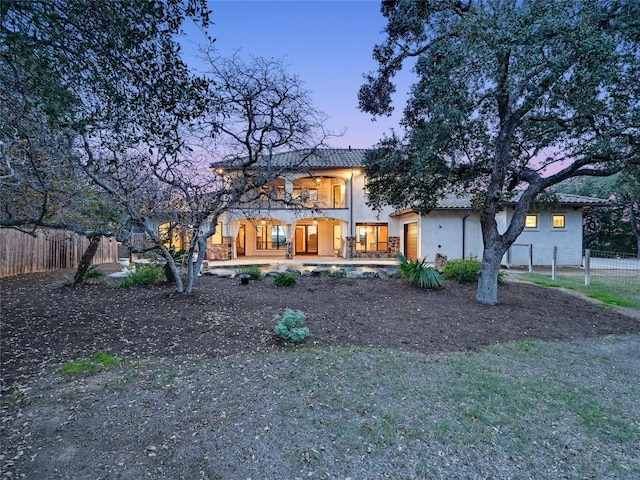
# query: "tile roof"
{"points": [[455, 202], [304, 159], [463, 202], [570, 199]]}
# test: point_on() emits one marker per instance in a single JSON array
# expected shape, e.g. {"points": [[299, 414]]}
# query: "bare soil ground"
{"points": [[46, 322], [201, 404]]}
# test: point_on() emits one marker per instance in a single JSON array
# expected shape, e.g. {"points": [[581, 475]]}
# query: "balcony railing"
{"points": [[322, 202]]}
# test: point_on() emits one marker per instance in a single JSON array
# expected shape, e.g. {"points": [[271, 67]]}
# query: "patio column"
{"points": [[289, 242], [288, 189], [232, 229]]}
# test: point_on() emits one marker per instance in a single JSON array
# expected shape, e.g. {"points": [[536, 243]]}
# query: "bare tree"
{"points": [[256, 109]]}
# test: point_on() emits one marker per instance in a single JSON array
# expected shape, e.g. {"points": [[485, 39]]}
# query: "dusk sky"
{"points": [[327, 43]]}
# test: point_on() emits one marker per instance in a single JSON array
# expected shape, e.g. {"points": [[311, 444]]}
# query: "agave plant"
{"points": [[417, 272]]}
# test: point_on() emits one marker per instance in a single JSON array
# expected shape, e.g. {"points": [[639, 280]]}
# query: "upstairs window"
{"points": [[531, 221], [558, 221]]}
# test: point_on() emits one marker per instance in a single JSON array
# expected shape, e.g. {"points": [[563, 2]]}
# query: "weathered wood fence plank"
{"points": [[48, 250]]}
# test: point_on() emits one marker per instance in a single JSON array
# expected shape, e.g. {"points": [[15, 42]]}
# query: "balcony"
{"points": [[318, 194]]}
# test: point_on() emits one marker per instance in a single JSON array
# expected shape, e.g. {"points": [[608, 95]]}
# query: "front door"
{"points": [[306, 239], [411, 240]]}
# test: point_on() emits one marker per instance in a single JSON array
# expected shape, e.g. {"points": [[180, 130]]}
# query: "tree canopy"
{"points": [[509, 95], [108, 71], [615, 227]]}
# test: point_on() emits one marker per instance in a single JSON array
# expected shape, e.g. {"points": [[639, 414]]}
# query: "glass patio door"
{"points": [[306, 239]]}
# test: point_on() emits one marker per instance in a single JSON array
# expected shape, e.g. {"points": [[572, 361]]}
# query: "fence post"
{"points": [[553, 263], [509, 256], [587, 267], [531, 258]]}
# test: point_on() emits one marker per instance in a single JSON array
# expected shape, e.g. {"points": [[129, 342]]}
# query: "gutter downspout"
{"points": [[351, 232], [464, 224]]}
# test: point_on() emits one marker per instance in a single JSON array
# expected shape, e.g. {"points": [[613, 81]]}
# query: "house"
{"points": [[317, 207]]}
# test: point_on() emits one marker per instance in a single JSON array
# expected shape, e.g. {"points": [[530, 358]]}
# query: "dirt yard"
{"points": [[46, 322], [207, 392]]}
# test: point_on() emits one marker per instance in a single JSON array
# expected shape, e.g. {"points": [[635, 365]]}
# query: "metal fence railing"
{"points": [[623, 268]]}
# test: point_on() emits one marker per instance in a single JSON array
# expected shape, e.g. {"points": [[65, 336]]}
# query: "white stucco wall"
{"points": [[361, 212], [545, 237], [441, 232]]}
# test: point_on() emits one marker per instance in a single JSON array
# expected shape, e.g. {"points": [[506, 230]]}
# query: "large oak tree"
{"points": [[510, 95]]}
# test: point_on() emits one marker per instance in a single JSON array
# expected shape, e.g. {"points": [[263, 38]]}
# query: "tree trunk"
{"points": [[176, 275], [487, 293], [87, 258], [195, 266]]}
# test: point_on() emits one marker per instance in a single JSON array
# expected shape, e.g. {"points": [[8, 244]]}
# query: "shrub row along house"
{"points": [[318, 207]]}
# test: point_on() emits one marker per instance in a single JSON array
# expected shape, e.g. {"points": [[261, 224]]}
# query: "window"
{"points": [[338, 200], [173, 236], [270, 237], [558, 221], [531, 221], [372, 237], [305, 194], [216, 238], [337, 237]]}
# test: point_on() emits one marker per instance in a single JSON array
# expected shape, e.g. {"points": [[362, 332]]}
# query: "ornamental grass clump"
{"points": [[285, 279], [289, 326], [417, 272], [143, 275], [251, 270]]}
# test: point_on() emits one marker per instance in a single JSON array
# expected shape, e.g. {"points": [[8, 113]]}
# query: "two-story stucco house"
{"points": [[327, 215]]}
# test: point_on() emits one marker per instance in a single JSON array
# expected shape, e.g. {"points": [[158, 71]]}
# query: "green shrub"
{"points": [[91, 273], [251, 270], [463, 270], [91, 364], [339, 273], [143, 275], [466, 270], [289, 326], [285, 279], [417, 272]]}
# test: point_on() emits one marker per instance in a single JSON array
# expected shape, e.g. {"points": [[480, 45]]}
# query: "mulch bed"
{"points": [[45, 321]]}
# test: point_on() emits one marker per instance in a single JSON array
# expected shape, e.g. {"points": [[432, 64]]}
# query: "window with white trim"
{"points": [[558, 221], [270, 237], [531, 221], [372, 237]]}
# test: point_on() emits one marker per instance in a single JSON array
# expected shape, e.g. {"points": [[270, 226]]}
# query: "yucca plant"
{"points": [[417, 272]]}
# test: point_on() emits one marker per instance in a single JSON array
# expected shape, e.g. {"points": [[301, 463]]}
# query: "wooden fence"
{"points": [[48, 250]]}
